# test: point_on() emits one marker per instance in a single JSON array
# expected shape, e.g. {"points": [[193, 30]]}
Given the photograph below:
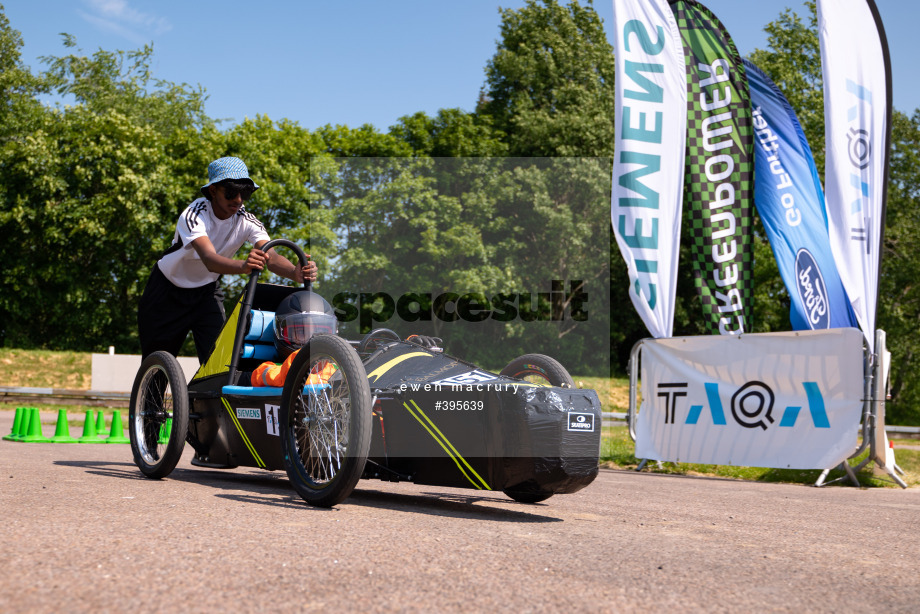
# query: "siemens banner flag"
{"points": [[790, 201], [857, 124], [651, 112], [719, 175], [783, 400]]}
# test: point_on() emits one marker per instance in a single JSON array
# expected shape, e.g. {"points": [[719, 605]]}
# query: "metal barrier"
{"points": [[872, 429]]}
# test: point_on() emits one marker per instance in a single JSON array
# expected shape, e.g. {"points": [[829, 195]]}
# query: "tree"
{"points": [[550, 84], [451, 133], [19, 108], [550, 89], [90, 196], [899, 293], [475, 228]]}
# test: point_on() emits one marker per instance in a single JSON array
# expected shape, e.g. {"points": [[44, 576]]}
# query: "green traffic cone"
{"points": [[62, 430], [100, 425], [116, 435], [35, 428], [17, 422], [89, 430], [165, 431], [24, 423]]}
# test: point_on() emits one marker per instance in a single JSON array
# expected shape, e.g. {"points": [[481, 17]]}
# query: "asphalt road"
{"points": [[83, 531]]}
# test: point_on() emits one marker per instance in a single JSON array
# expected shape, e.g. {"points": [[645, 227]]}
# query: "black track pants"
{"points": [[167, 313]]}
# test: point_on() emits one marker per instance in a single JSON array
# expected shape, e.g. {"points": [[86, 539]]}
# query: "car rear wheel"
{"points": [[522, 494], [325, 421], [159, 398], [539, 369]]}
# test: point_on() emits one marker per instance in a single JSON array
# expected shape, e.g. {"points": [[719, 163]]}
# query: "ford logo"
{"points": [[812, 290]]}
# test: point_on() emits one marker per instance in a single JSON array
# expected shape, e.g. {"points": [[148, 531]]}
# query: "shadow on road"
{"points": [[110, 469], [444, 504], [274, 489]]}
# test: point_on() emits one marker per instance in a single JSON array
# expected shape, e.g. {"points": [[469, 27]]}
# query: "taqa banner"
{"points": [[651, 112], [719, 170], [783, 400], [857, 123], [789, 198]]}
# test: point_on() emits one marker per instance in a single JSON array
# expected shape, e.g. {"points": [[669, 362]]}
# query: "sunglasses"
{"points": [[232, 191]]}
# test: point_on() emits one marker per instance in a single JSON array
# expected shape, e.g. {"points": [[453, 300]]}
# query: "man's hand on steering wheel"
{"points": [[306, 273]]}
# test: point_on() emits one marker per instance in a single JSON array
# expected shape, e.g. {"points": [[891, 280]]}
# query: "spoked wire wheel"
{"points": [[158, 415], [325, 421]]}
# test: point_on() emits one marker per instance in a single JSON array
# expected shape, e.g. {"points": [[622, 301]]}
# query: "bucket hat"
{"points": [[226, 168]]}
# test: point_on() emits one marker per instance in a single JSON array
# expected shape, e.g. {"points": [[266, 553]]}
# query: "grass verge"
{"points": [[45, 369]]}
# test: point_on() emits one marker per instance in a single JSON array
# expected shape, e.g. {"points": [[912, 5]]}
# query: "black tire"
{"points": [[159, 393], [539, 369], [526, 496], [326, 435]]}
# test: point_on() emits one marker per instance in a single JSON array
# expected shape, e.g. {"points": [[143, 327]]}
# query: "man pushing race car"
{"points": [[278, 388], [183, 292]]}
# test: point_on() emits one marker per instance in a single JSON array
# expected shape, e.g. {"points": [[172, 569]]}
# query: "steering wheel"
{"points": [[375, 338], [246, 301], [301, 259]]}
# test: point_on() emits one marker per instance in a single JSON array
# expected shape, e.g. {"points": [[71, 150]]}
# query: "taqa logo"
{"points": [[859, 146], [812, 290], [751, 405]]}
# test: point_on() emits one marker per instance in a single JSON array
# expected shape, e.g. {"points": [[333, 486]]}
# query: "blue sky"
{"points": [[354, 61]]}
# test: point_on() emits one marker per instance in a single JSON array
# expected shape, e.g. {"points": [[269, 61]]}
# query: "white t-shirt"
{"points": [[182, 265]]}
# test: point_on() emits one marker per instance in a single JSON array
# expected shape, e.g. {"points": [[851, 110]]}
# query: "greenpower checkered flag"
{"points": [[719, 170]]}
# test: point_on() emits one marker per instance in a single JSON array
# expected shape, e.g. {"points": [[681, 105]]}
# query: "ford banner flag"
{"points": [[789, 198]]}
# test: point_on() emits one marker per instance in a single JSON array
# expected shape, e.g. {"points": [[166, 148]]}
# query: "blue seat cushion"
{"points": [[266, 391]]}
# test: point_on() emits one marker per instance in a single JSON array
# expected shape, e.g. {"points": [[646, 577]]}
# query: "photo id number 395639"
{"points": [[458, 405]]}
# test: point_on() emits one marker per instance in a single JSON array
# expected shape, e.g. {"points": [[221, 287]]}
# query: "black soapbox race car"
{"points": [[380, 407]]}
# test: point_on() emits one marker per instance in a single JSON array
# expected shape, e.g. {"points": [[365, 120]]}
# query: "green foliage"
{"points": [[122, 82], [899, 292], [362, 142], [471, 225], [84, 199], [550, 84], [86, 191], [19, 108], [452, 133]]}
